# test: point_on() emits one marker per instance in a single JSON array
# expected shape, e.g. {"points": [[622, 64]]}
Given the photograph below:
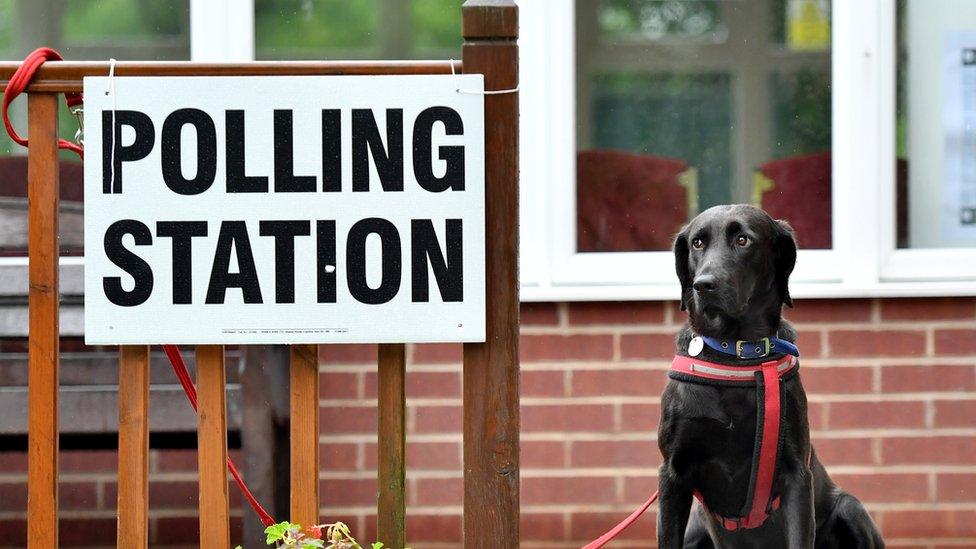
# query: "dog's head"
{"points": [[733, 262]]}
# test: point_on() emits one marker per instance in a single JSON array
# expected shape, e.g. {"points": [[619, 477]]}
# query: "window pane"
{"points": [[685, 104], [936, 124], [80, 30], [365, 29]]}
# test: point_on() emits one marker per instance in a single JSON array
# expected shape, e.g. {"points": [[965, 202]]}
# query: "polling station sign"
{"points": [[287, 209]]}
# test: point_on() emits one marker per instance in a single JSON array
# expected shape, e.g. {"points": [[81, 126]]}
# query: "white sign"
{"points": [[312, 209]]}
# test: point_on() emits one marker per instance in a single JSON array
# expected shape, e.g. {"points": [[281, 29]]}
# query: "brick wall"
{"points": [[891, 385]]}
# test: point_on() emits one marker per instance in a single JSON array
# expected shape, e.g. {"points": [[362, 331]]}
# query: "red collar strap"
{"points": [[766, 377]]}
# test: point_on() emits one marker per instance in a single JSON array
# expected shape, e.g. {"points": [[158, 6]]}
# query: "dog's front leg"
{"points": [[798, 506], [674, 498]]}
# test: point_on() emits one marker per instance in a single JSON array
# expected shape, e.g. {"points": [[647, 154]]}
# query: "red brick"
{"points": [[78, 495], [437, 353], [839, 379], [876, 415], [955, 487], [86, 532], [339, 385], [640, 417], [955, 342], [338, 456], [829, 310], [638, 489], [347, 419], [543, 383], [542, 454], [542, 527], [929, 308], [647, 346], [873, 343], [928, 524], [918, 379], [585, 527], [643, 382], [614, 453], [568, 490], [347, 354], [616, 312], [438, 491], [13, 532], [433, 384], [937, 449], [347, 492], [575, 418], [955, 413], [539, 314], [433, 528], [810, 343], [88, 461], [885, 488], [577, 347], [13, 462], [844, 451], [815, 415], [13, 345], [438, 419], [176, 460], [13, 496], [434, 455]]}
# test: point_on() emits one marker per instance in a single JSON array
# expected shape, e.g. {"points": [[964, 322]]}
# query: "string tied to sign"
{"points": [[481, 92]]}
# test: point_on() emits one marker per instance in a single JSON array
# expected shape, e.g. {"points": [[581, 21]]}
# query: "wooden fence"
{"points": [[490, 376]]}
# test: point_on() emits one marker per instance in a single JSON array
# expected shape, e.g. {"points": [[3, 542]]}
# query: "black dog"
{"points": [[734, 264]]}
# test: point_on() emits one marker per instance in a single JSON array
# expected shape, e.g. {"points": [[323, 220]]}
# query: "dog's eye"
{"points": [[697, 244], [742, 240]]}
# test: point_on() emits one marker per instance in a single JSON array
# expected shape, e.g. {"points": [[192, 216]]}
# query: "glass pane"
{"points": [[339, 29], [936, 124], [80, 30], [685, 104]]}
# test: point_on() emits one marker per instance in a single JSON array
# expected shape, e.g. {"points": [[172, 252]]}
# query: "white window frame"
{"points": [[863, 261]]}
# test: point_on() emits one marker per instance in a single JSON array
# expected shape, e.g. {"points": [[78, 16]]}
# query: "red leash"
{"points": [[624, 524], [17, 84]]}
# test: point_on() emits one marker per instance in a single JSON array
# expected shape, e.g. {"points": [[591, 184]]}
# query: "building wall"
{"points": [[891, 385]]}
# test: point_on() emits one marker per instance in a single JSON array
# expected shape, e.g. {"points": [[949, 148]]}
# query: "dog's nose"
{"points": [[704, 283]]}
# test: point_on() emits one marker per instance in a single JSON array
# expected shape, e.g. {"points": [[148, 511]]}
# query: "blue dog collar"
{"points": [[760, 348]]}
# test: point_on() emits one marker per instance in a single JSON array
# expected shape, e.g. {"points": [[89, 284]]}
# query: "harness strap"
{"points": [[17, 84]]}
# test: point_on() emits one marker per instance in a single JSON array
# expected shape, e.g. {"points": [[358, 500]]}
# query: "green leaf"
{"points": [[378, 545], [276, 532]]}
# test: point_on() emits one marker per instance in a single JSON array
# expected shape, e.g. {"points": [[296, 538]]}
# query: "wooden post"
{"points": [[212, 447], [491, 369], [133, 488], [391, 444], [43, 334], [304, 435]]}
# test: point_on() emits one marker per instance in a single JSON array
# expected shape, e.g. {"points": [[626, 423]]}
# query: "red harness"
{"points": [[766, 376]]}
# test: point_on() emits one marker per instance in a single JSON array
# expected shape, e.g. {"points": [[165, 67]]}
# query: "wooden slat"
{"points": [[491, 369], [304, 435], [212, 447], [133, 487], [66, 76], [391, 505], [42, 382]]}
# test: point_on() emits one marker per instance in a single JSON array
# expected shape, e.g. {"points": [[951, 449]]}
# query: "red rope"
{"points": [[17, 84], [605, 538]]}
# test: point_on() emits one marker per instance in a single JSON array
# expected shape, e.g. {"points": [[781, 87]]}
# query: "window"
{"points": [[339, 29], [682, 105], [637, 114]]}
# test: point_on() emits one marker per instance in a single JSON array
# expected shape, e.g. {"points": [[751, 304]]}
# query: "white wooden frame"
{"points": [[863, 261]]}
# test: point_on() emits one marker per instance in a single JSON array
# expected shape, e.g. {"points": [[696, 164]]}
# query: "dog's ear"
{"points": [[681, 265], [784, 249]]}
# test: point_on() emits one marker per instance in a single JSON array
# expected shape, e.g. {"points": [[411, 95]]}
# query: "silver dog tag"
{"points": [[695, 346]]}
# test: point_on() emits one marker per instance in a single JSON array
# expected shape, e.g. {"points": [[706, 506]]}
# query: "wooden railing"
{"points": [[490, 369]]}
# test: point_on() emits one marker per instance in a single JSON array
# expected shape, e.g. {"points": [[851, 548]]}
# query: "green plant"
{"points": [[286, 535]]}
